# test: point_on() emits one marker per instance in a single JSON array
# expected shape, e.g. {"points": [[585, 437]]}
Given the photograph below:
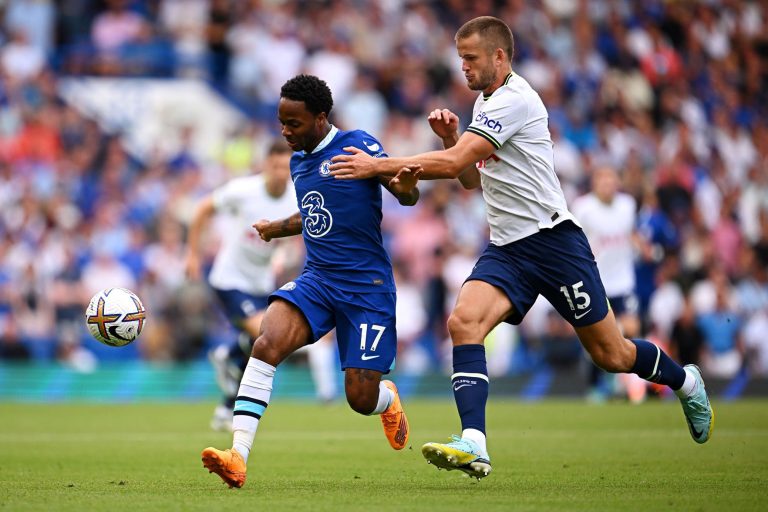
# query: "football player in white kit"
{"points": [[536, 247], [243, 276], [608, 218]]}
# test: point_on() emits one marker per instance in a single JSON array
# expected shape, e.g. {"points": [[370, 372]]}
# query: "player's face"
{"points": [[605, 184], [477, 63], [277, 172], [301, 129]]}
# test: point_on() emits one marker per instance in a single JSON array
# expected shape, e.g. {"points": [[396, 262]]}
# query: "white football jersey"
{"points": [[609, 230], [521, 189], [243, 260]]}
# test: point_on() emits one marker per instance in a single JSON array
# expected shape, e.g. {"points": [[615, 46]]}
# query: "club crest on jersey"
{"points": [[325, 168], [492, 124]]}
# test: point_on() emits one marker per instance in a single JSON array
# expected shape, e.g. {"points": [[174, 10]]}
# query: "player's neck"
{"points": [[501, 79], [324, 131], [275, 189]]}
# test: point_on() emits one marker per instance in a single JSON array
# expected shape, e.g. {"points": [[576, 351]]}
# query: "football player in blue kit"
{"points": [[347, 281]]}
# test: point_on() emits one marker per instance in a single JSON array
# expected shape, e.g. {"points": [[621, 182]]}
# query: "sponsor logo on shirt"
{"points": [[492, 124], [481, 163]]}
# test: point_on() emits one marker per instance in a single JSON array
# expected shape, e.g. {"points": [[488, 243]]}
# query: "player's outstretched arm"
{"points": [[446, 164], [289, 226], [445, 124], [403, 185], [204, 211]]}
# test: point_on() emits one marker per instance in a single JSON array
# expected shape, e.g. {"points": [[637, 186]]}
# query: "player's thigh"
{"points": [[314, 299], [365, 331], [284, 329], [561, 266], [479, 308]]}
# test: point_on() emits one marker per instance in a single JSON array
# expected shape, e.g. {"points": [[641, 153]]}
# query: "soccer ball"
{"points": [[115, 316]]}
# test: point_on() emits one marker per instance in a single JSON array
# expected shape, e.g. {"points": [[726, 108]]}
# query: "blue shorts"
{"points": [[240, 305], [364, 322], [624, 304], [556, 263]]}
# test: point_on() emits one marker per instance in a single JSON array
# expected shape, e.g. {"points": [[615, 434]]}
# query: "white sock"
{"points": [[475, 435], [252, 399], [689, 386], [322, 366], [385, 399]]}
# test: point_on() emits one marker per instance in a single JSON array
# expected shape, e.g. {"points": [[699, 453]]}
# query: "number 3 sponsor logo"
{"points": [[317, 220]]}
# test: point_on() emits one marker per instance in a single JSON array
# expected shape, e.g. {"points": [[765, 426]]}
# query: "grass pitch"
{"points": [[546, 456]]}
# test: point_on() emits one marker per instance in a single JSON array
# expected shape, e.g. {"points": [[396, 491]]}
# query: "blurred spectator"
{"points": [[686, 340], [724, 350], [218, 25], [365, 108], [11, 346], [756, 343], [185, 22], [112, 30], [33, 18], [20, 59]]}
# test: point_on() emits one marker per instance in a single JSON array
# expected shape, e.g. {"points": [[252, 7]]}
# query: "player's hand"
{"points": [[444, 123], [192, 267], [262, 227], [356, 165], [406, 178]]}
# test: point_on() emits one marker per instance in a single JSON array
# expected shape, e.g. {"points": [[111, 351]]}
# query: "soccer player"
{"points": [[537, 246], [608, 219], [347, 281], [242, 276]]}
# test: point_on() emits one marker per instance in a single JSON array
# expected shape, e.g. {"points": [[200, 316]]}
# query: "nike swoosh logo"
{"points": [[113, 331], [576, 317], [456, 388], [696, 433], [372, 147], [366, 357]]}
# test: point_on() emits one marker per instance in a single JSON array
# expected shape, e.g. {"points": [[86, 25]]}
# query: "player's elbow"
{"points": [[410, 198]]}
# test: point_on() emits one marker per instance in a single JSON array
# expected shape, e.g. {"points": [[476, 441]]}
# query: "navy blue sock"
{"points": [[240, 352], [470, 385], [654, 365]]}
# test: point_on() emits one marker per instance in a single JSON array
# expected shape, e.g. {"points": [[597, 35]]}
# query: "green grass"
{"points": [[546, 456]]}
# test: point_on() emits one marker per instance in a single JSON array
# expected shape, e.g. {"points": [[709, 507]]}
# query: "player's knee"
{"points": [[361, 402], [265, 351], [461, 325]]}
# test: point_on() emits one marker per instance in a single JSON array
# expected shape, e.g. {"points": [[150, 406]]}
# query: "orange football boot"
{"points": [[394, 420], [228, 464]]}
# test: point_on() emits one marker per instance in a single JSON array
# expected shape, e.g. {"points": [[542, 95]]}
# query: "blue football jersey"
{"points": [[342, 218]]}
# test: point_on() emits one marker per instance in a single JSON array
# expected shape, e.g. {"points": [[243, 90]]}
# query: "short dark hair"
{"points": [[314, 92], [278, 146], [494, 32]]}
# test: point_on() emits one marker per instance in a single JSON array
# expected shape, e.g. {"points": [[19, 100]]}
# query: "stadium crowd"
{"points": [[670, 94]]}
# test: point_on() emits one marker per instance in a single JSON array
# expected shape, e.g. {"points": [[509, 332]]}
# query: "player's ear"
{"points": [[500, 55]]}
